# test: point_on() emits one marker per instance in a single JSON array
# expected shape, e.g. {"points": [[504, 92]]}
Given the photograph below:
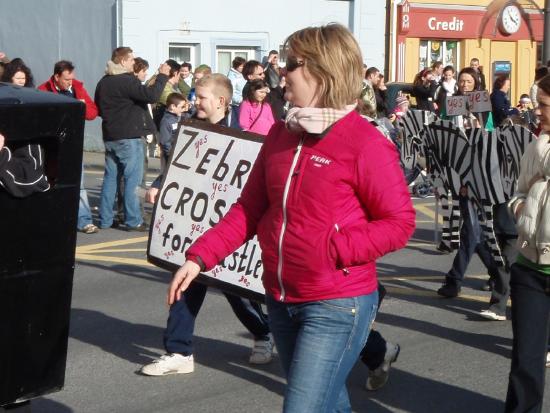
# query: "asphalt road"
{"points": [[451, 359]]}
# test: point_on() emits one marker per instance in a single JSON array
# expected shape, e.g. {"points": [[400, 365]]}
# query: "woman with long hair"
{"points": [[18, 73], [255, 114]]}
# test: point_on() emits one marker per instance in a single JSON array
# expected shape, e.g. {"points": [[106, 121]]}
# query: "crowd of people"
{"points": [[322, 293]]}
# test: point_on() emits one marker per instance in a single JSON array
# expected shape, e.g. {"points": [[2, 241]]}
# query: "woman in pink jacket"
{"points": [[255, 114], [326, 198]]}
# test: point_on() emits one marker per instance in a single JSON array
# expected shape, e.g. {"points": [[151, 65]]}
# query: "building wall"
{"points": [[476, 37], [44, 32], [150, 26]]}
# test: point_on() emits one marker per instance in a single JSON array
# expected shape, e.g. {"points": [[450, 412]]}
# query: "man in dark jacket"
{"points": [[122, 101]]}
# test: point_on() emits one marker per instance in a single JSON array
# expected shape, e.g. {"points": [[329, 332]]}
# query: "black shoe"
{"points": [[140, 228], [449, 290], [442, 247]]}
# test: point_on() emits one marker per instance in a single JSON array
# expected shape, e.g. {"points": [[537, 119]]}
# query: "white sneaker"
{"points": [[491, 315], [379, 376], [547, 359], [173, 363], [262, 352]]}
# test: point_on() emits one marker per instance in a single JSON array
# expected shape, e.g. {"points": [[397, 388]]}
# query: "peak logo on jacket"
{"points": [[320, 161]]}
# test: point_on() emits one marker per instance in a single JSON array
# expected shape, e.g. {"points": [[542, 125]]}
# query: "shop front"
{"points": [[503, 38]]}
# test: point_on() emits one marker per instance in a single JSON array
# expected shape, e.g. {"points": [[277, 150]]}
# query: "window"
{"points": [[446, 51], [181, 52], [225, 56]]}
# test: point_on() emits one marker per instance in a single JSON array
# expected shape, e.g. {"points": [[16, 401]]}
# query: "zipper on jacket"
{"points": [[283, 227]]}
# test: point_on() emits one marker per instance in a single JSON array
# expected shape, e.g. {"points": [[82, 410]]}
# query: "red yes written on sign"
{"points": [[478, 101]]}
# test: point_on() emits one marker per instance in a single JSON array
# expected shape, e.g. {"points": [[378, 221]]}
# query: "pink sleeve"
{"points": [[382, 190], [244, 115]]}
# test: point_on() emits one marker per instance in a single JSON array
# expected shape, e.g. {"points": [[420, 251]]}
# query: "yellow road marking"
{"points": [[118, 260], [102, 245], [423, 209], [94, 172], [119, 250]]}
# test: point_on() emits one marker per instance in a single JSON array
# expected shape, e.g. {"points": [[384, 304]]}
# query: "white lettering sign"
{"points": [[207, 171], [455, 25]]}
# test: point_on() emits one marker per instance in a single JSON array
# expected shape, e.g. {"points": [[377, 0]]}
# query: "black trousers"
{"points": [[530, 293]]}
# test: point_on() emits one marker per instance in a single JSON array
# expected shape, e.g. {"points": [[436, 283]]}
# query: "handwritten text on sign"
{"points": [[205, 177], [478, 101]]}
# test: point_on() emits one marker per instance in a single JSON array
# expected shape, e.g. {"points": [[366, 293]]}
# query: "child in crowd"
{"points": [[213, 97], [176, 107], [527, 113], [255, 113], [401, 107]]}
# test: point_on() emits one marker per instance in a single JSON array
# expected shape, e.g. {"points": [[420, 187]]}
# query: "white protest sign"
{"points": [[478, 101], [206, 173]]}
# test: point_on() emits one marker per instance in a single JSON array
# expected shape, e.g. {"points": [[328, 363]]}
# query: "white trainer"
{"points": [[262, 352], [379, 376], [547, 359], [172, 363], [491, 315]]}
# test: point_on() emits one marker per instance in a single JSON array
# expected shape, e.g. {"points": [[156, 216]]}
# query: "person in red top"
{"points": [[327, 198], [63, 82]]}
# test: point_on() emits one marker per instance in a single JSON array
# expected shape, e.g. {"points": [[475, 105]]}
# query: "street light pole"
{"points": [[546, 39]]}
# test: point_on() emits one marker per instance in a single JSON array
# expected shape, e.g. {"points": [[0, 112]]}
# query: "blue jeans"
{"points": [[318, 343], [472, 241], [124, 156], [178, 336], [84, 212]]}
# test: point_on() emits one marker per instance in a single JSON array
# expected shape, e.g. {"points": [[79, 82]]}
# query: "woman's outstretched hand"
{"points": [[182, 278]]}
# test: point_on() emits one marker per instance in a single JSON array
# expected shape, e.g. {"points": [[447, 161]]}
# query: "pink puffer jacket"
{"points": [[324, 210]]}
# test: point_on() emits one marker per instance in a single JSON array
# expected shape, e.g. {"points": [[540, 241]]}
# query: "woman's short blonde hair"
{"points": [[332, 56]]}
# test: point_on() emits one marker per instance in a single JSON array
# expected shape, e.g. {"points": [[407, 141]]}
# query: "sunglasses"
{"points": [[292, 63]]}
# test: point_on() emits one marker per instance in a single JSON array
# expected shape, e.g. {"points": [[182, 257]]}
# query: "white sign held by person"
{"points": [[207, 171], [478, 101]]}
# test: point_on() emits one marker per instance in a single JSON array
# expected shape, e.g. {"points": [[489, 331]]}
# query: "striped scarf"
{"points": [[314, 120]]}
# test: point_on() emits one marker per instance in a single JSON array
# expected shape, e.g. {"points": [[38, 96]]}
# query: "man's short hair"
{"points": [[371, 71], [175, 99], [140, 64], [205, 69], [237, 61], [272, 52], [220, 84], [474, 60], [250, 67], [120, 53], [187, 65], [62, 66], [174, 67]]}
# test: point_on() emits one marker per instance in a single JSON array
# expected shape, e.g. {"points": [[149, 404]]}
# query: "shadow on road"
{"points": [[42, 405], [410, 393], [131, 341]]}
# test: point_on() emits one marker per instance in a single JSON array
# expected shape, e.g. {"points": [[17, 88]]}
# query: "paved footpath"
{"points": [[451, 359]]}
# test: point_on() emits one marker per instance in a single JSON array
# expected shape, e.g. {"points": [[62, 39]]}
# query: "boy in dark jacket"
{"points": [[176, 105]]}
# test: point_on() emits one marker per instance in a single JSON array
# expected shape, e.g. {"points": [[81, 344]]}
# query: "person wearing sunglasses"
{"points": [[326, 198]]}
